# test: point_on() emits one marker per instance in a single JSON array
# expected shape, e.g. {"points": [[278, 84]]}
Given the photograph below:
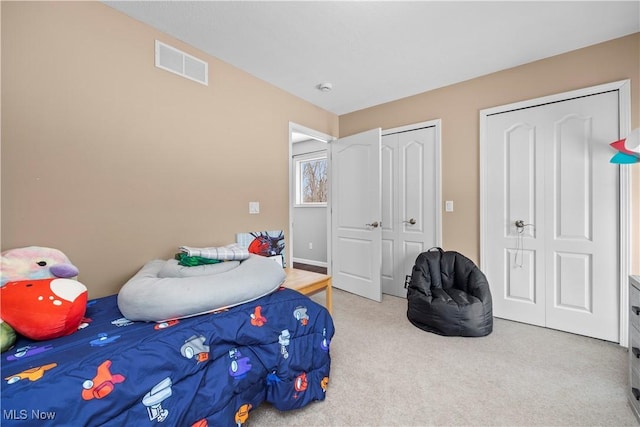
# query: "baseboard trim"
{"points": [[310, 262]]}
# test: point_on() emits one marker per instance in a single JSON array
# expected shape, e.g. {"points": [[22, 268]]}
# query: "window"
{"points": [[311, 180]]}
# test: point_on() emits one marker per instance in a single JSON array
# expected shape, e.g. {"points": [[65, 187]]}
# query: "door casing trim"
{"points": [[294, 127]]}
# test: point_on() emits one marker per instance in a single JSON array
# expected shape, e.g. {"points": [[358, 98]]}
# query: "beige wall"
{"points": [[116, 162], [458, 106]]}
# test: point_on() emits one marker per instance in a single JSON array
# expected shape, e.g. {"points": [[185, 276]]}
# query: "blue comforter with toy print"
{"points": [[209, 370]]}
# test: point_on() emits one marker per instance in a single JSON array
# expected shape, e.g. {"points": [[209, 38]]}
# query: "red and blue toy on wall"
{"points": [[628, 149]]}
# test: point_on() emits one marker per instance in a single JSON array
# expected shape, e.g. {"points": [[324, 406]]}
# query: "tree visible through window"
{"points": [[312, 181]]}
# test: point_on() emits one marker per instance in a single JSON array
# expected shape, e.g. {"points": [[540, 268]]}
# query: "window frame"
{"points": [[299, 160]]}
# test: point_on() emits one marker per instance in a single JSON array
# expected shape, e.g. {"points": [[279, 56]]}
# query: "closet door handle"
{"points": [[636, 352], [374, 224], [636, 393], [411, 221], [635, 309]]}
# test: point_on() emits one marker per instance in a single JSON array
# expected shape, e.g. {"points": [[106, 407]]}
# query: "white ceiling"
{"points": [[375, 52]]}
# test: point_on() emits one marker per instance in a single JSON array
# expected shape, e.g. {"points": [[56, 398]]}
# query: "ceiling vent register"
{"points": [[178, 62]]}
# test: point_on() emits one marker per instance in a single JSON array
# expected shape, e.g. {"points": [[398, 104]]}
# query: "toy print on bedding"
{"points": [[211, 369]]}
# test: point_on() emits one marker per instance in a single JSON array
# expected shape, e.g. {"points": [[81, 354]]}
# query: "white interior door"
{"points": [[410, 201], [355, 214], [551, 215]]}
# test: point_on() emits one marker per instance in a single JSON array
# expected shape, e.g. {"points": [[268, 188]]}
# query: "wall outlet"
{"points": [[310, 245], [254, 207]]}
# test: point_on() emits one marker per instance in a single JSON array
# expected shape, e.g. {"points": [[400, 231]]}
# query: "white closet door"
{"points": [[410, 202], [548, 166]]}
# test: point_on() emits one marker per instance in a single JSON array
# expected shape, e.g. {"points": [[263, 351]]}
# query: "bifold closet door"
{"points": [[552, 215]]}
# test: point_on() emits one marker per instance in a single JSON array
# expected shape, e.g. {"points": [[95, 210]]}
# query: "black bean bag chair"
{"points": [[449, 295]]}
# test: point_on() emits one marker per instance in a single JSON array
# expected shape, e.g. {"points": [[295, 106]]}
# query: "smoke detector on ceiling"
{"points": [[325, 87]]}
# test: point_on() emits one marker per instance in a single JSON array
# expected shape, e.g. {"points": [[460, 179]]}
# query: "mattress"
{"points": [[208, 370]]}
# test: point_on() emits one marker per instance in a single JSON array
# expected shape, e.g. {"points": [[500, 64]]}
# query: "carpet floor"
{"points": [[386, 372]]}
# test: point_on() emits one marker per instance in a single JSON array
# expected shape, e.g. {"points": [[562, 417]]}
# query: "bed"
{"points": [[206, 370]]}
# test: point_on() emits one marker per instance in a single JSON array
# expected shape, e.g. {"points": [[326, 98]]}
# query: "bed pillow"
{"points": [[172, 268], [147, 297]]}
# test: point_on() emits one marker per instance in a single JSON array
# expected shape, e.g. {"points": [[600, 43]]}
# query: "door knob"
{"points": [[374, 224], [411, 221], [520, 225]]}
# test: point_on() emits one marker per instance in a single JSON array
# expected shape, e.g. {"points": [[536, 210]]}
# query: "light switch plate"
{"points": [[254, 207], [448, 206]]}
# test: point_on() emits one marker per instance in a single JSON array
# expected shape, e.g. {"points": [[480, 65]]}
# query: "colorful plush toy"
{"points": [[7, 336], [35, 262], [39, 299]]}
